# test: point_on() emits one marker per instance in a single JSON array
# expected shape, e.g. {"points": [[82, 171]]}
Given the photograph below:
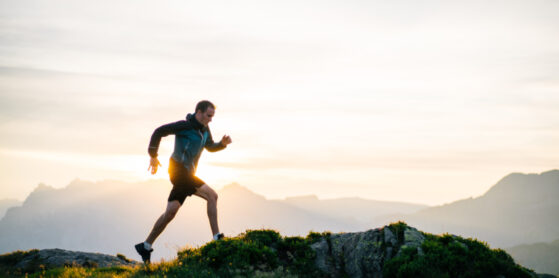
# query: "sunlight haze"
{"points": [[424, 102]]}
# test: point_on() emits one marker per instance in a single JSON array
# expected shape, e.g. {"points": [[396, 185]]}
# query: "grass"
{"points": [[258, 253], [452, 256]]}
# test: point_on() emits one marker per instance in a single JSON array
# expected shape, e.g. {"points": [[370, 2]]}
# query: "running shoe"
{"points": [[146, 254]]}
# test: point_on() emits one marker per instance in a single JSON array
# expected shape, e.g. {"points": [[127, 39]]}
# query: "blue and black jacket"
{"points": [[191, 137]]}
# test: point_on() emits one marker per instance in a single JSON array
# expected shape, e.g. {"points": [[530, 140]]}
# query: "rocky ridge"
{"points": [[53, 258]]}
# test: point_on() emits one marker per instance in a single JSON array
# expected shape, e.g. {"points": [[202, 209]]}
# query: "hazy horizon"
{"points": [[165, 190], [421, 102], [519, 209]]}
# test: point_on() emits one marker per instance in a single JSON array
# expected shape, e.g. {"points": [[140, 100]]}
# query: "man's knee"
{"points": [[207, 193], [171, 211], [170, 214], [213, 197]]}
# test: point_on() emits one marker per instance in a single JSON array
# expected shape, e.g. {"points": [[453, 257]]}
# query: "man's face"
{"points": [[205, 117]]}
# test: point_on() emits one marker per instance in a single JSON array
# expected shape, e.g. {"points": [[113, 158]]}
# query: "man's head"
{"points": [[204, 112]]}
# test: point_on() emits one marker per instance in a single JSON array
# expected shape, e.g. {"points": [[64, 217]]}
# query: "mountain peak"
{"points": [[77, 183], [238, 190], [553, 172], [42, 187], [235, 187], [520, 185], [305, 198]]}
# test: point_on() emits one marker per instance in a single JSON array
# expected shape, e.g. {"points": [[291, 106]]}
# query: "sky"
{"points": [[414, 101]]}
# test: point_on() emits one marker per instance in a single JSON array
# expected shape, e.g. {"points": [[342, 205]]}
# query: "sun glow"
{"points": [[211, 168], [216, 176]]}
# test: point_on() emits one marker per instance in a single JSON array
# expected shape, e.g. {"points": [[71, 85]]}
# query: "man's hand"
{"points": [[226, 140], [153, 164]]}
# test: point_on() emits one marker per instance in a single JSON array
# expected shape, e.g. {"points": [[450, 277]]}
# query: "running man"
{"points": [[191, 137]]}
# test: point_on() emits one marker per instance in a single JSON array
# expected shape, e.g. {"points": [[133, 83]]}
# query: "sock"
{"points": [[147, 245]]}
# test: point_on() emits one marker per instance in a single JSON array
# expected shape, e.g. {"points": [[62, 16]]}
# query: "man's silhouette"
{"points": [[191, 137]]}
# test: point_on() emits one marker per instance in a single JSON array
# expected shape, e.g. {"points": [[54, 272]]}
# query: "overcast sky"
{"points": [[416, 101]]}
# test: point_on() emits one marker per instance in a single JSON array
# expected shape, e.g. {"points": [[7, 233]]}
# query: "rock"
{"points": [[53, 258], [412, 239], [390, 238], [322, 251], [362, 254]]}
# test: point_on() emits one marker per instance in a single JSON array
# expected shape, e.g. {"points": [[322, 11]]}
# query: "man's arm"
{"points": [[211, 146], [163, 131]]}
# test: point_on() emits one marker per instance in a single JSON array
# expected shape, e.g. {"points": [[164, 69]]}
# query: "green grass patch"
{"points": [[452, 256]]}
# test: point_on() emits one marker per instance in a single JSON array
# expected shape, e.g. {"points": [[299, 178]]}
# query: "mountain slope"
{"points": [[5, 204], [365, 211], [542, 257], [520, 208]]}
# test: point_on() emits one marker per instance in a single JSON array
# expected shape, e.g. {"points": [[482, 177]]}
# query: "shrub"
{"points": [[451, 256], [122, 257], [8, 262], [13, 258], [398, 229], [262, 253]]}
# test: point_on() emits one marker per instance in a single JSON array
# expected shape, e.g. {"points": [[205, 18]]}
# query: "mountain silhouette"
{"points": [[519, 209], [358, 209], [111, 216], [5, 204]]}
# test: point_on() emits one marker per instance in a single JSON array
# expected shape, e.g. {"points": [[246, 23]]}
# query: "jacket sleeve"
{"points": [[163, 131], [212, 146]]}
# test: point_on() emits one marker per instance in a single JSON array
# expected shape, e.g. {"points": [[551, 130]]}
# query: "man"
{"points": [[191, 137]]}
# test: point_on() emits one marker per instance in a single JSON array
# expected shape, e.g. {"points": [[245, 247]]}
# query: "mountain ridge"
{"points": [[517, 200], [6, 204]]}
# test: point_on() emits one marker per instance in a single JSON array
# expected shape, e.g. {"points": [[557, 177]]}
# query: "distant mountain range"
{"points": [[360, 210], [519, 209], [111, 216]]}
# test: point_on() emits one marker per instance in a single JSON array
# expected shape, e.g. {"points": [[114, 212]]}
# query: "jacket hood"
{"points": [[196, 124]]}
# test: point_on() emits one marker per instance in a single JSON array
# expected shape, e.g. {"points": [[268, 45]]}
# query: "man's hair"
{"points": [[203, 106]]}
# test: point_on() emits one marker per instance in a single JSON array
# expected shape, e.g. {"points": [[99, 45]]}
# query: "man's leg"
{"points": [[210, 196], [164, 219], [144, 248]]}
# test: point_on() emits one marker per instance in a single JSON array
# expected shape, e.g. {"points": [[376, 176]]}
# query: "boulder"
{"points": [[363, 254], [53, 258]]}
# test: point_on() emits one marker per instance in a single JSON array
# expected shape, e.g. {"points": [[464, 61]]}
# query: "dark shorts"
{"points": [[184, 182]]}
